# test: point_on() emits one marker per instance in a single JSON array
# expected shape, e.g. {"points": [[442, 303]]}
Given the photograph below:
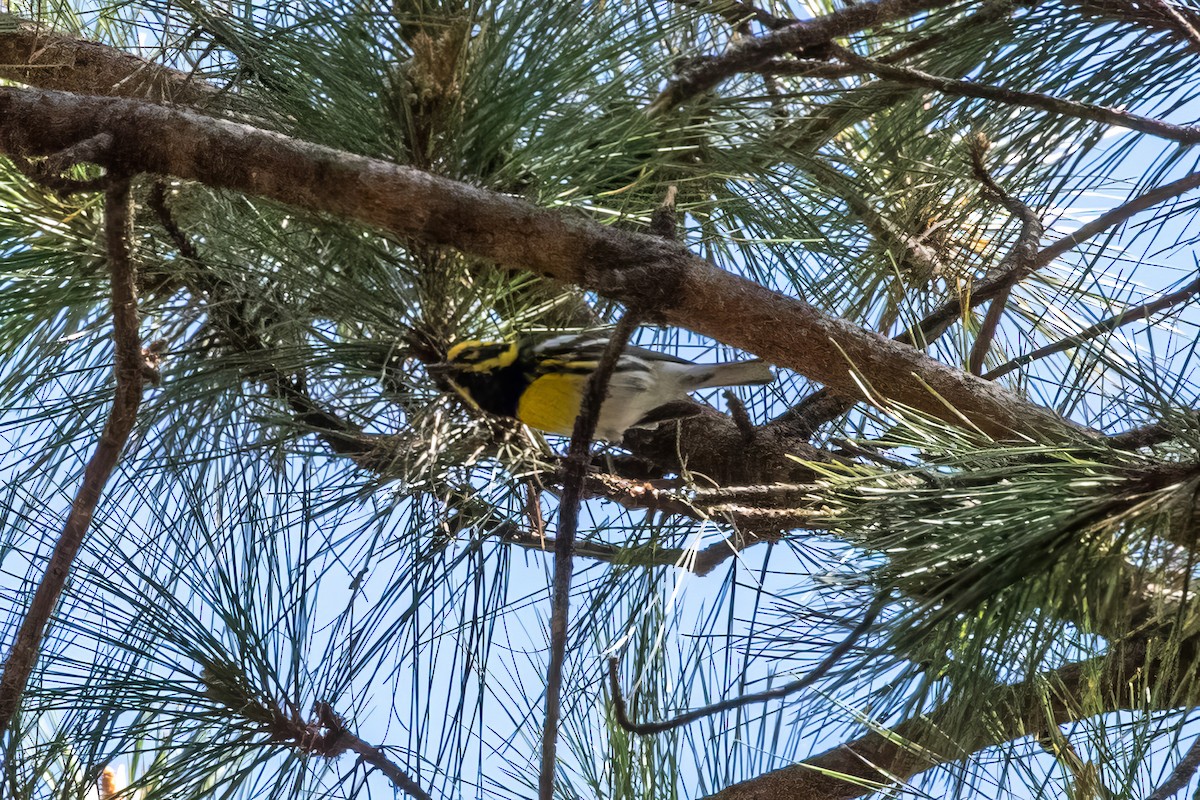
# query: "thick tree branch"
{"points": [[130, 370], [627, 267], [712, 444]]}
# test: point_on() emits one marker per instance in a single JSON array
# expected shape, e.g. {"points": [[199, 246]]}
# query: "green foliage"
{"points": [[305, 517]]}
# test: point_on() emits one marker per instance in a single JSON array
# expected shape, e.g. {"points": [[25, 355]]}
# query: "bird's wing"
{"points": [[591, 349]]}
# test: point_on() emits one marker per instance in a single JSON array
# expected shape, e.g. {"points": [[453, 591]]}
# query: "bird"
{"points": [[541, 382]]}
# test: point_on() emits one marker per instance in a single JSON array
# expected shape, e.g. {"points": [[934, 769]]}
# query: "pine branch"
{"points": [[325, 735], [471, 512], [822, 406], [369, 451], [337, 737], [749, 54], [791, 687], [907, 76], [1180, 22], [1148, 435], [1143, 15], [130, 371], [1117, 216], [1141, 312], [934, 323]]}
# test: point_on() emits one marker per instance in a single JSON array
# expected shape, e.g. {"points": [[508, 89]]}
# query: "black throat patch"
{"points": [[497, 391]]}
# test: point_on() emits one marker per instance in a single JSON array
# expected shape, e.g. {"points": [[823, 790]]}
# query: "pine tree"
{"points": [[253, 547]]}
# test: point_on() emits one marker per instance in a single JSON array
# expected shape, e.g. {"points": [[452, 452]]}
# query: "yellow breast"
{"points": [[551, 403]]}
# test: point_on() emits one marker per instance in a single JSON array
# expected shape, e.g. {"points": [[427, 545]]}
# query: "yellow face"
{"points": [[476, 356]]}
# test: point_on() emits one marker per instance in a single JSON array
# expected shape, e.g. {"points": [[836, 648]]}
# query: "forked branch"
{"points": [[1014, 264]]}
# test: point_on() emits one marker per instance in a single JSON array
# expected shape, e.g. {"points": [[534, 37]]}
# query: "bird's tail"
{"points": [[734, 373]]}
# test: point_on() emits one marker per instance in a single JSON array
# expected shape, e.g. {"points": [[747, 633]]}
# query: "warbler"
{"points": [[542, 382]]}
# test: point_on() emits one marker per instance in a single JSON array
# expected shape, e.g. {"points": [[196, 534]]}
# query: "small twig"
{"points": [[806, 68], [1015, 262], [814, 675], [129, 367], [870, 455], [698, 562], [763, 511], [90, 150], [741, 418], [664, 222], [1185, 134], [1129, 315], [1181, 776], [533, 510], [987, 331], [325, 735], [568, 521], [820, 68], [1117, 216], [1031, 225]]}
